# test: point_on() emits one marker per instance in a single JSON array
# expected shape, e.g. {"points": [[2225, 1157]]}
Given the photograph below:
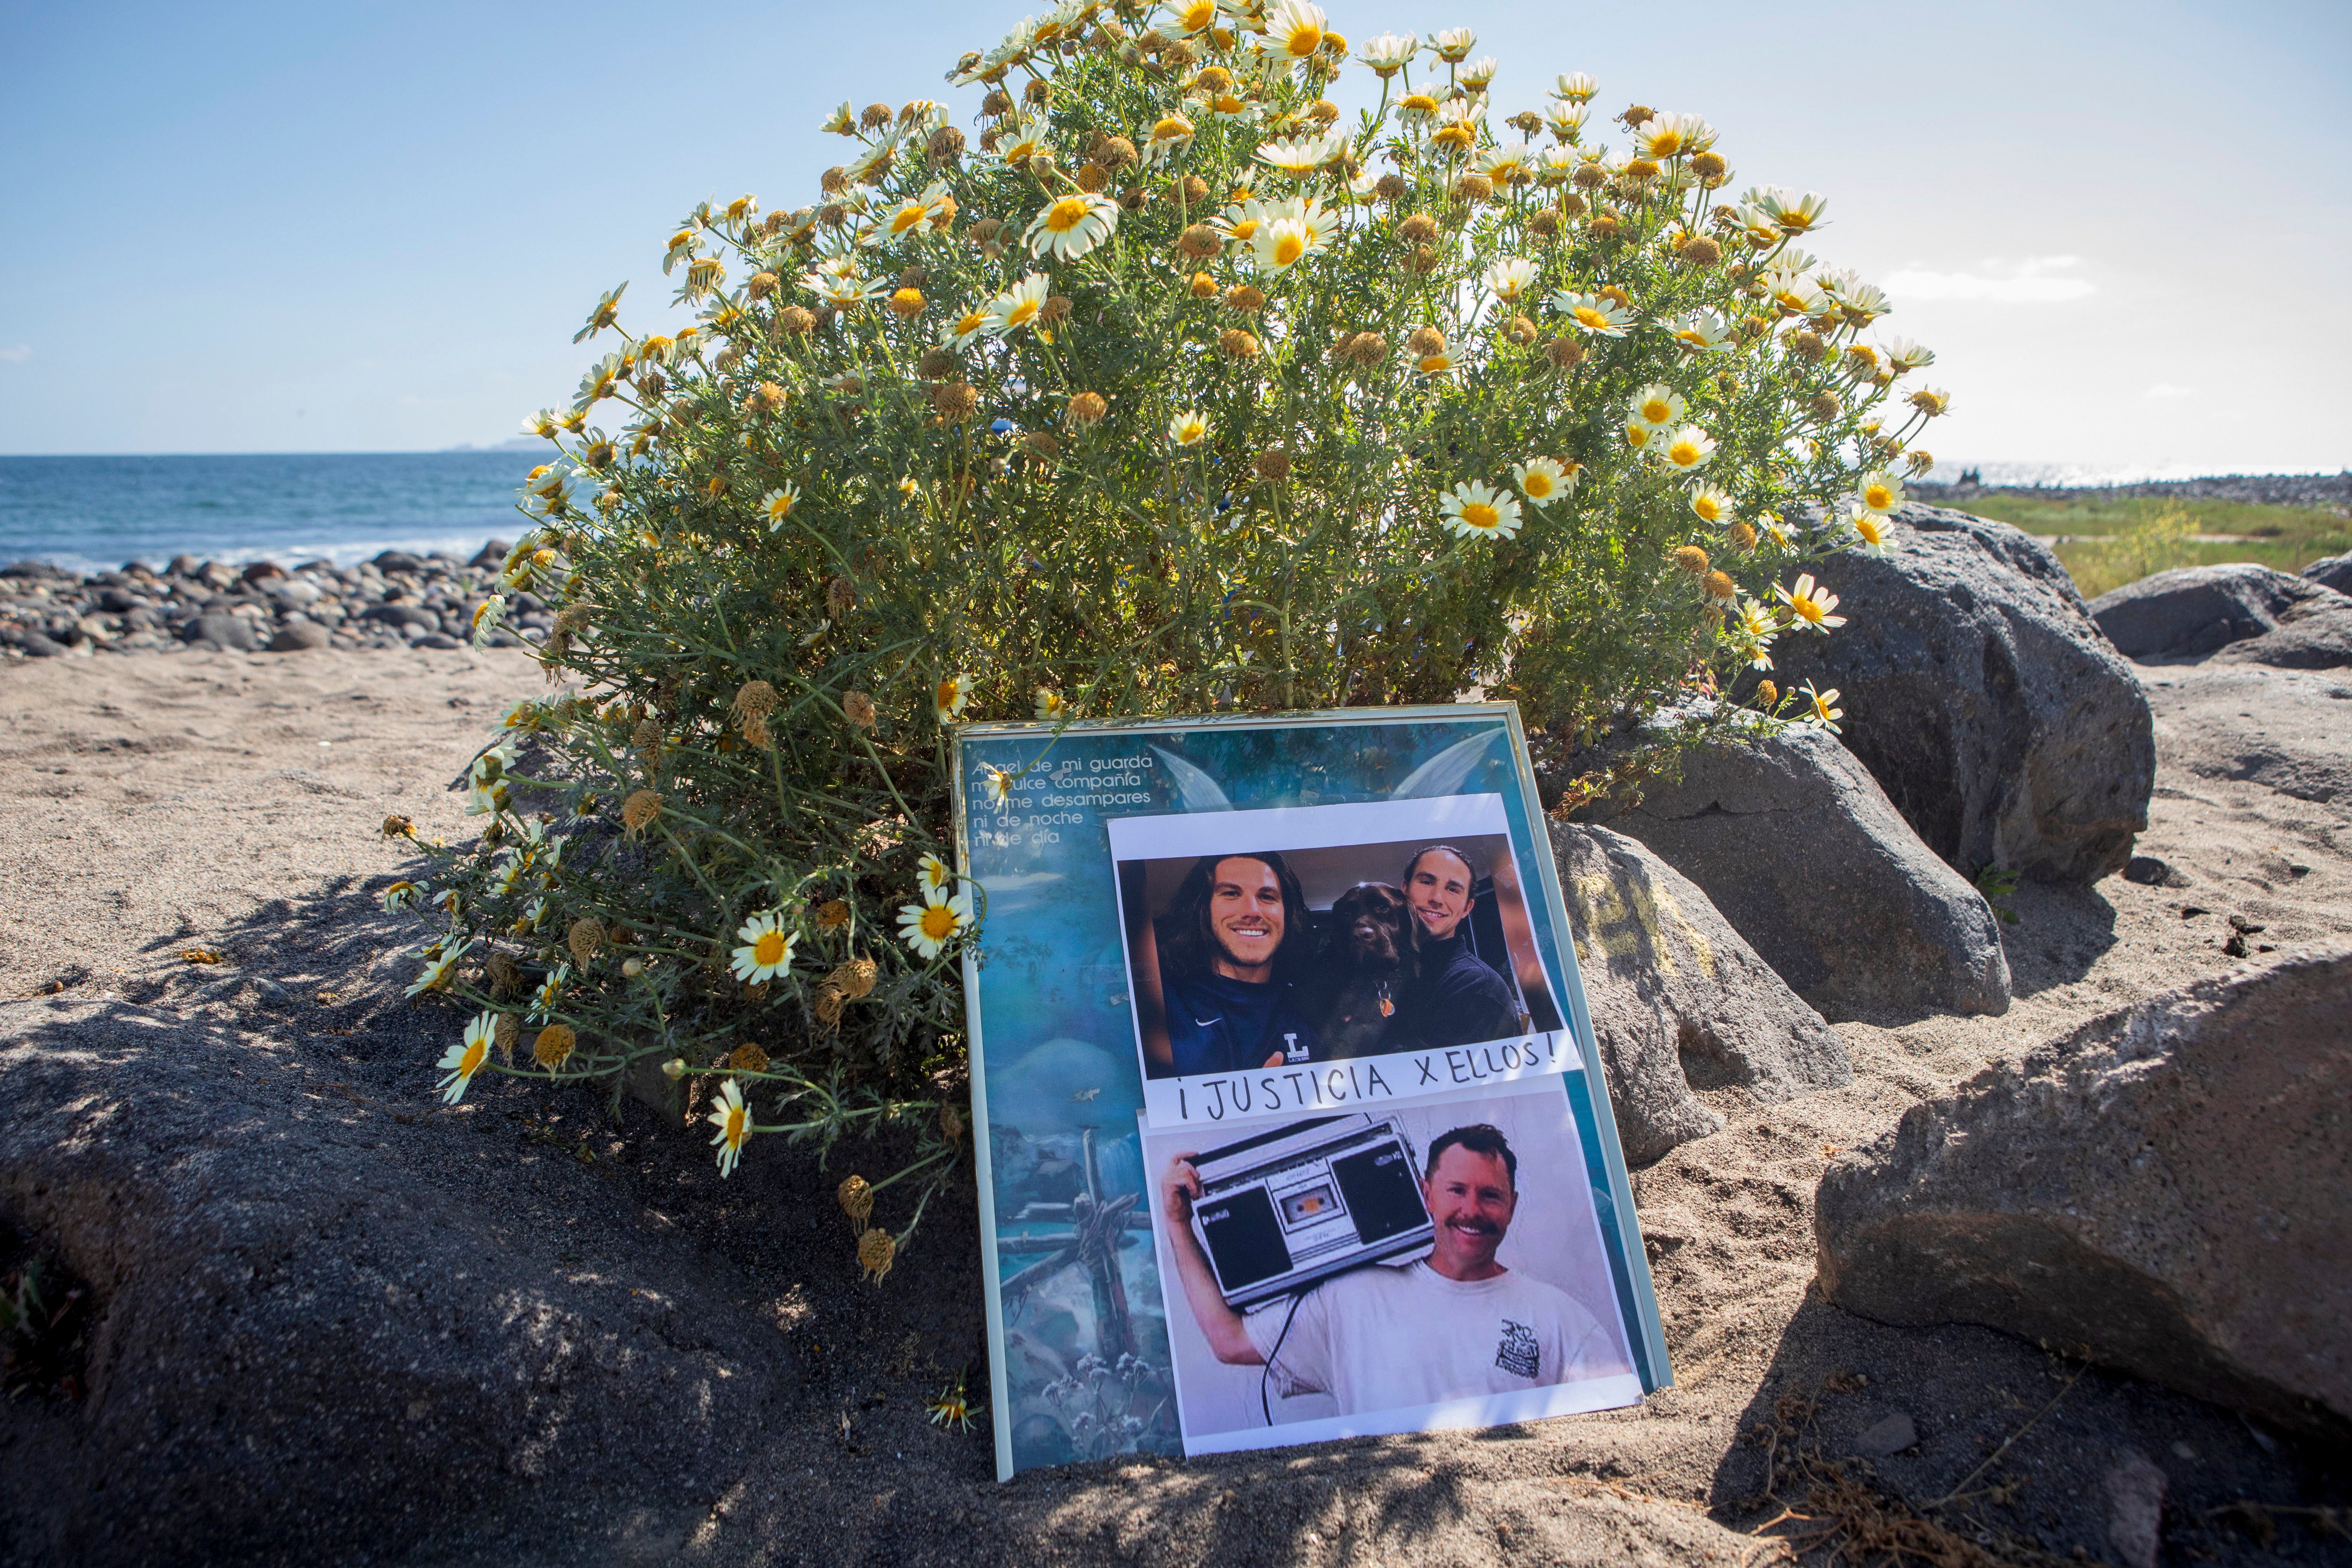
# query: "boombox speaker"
{"points": [[1284, 1210]]}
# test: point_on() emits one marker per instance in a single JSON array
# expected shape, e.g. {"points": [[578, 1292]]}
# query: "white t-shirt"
{"points": [[1388, 1338]]}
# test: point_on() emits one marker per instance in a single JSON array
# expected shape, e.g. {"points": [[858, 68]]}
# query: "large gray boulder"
{"points": [[1679, 1003], [2313, 635], [2287, 729], [1984, 700], [2192, 611], [2168, 1189], [2332, 571], [1796, 846]]}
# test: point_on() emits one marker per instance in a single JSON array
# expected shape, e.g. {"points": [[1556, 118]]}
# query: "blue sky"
{"points": [[2125, 227]]}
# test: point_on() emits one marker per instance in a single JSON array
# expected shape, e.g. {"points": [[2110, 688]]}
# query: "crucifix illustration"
{"points": [[1097, 1229]]}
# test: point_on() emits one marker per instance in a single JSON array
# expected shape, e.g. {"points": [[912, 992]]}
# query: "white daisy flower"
{"points": [[1188, 428], [1477, 511], [778, 503], [1389, 54], [1510, 278], [1825, 712], [1575, 87], [401, 895], [1656, 406], [842, 291], [1878, 493], [1793, 215], [1543, 480], [936, 876], [948, 698], [1171, 135], [550, 992], [1711, 504], [1023, 139], [842, 122], [1052, 705], [734, 1119], [965, 330], [1295, 31], [1299, 159], [1513, 163], [929, 210], [463, 1060], [1478, 73], [1187, 17], [1566, 120], [996, 787], [1703, 332], [1668, 135], [1687, 448], [928, 928], [1453, 45], [767, 948], [1870, 530], [1755, 626], [1072, 225], [1017, 306], [1593, 313], [1812, 605]]}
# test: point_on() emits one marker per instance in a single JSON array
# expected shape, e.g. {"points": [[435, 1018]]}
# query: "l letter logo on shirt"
{"points": [[1518, 1353]]}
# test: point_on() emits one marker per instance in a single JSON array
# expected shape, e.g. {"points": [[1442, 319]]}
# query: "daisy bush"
{"points": [[1167, 386]]}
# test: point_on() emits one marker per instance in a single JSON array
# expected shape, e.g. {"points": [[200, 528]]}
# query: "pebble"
{"points": [[397, 600], [1888, 1435]]}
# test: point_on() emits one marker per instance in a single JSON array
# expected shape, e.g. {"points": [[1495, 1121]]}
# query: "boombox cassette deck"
{"points": [[1287, 1209]]}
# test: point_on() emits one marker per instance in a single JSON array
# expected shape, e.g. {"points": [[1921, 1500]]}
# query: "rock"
{"points": [[441, 640], [1888, 1435], [492, 555], [2150, 872], [2313, 635], [305, 1300], [39, 646], [2167, 1189], [184, 566], [2289, 730], [1797, 847], [222, 630], [261, 571], [1679, 1003], [398, 560], [298, 634], [1984, 700], [36, 571], [2195, 610], [117, 601], [401, 613], [2135, 1489], [2333, 571], [212, 574]]}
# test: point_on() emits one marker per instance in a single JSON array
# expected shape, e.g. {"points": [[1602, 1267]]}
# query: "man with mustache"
{"points": [[1455, 1324], [1459, 999], [1230, 944]]}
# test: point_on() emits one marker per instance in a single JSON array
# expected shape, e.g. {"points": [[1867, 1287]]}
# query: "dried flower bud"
{"points": [[855, 1196], [832, 914], [834, 181], [840, 597], [1589, 177], [1520, 331], [508, 1034], [832, 214], [1604, 225], [1244, 297], [1088, 408], [639, 810], [505, 978], [1115, 153], [998, 101], [827, 1006], [1203, 285], [1037, 91], [1426, 341], [1824, 406], [1807, 345], [1177, 54], [796, 321], [1213, 79], [646, 737], [1700, 251], [946, 144], [1238, 343], [1544, 224], [1743, 536], [1056, 307], [954, 401], [855, 978], [1424, 260], [858, 708], [1200, 242], [875, 115], [398, 827], [1390, 187], [765, 399], [1041, 443], [1091, 176], [1191, 190], [1420, 228], [1768, 696], [585, 938], [753, 698], [951, 1123], [747, 1057], [1691, 559], [761, 284], [876, 1250], [984, 229], [936, 363], [1710, 167], [1719, 585], [1273, 464], [553, 1046], [1323, 111], [1473, 187]]}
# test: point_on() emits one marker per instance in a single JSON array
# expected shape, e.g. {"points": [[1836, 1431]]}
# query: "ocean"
{"points": [[90, 514]]}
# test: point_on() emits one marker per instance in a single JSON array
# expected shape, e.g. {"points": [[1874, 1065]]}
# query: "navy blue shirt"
{"points": [[1216, 1024], [1458, 1001]]}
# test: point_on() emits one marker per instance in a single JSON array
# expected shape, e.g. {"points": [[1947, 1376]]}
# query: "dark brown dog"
{"points": [[1372, 959]]}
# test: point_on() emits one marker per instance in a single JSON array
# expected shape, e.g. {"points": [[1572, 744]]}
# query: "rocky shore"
{"points": [[2330, 491], [395, 601]]}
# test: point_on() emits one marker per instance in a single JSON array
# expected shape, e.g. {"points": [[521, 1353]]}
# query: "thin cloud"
{"points": [[2165, 389], [2035, 280], [18, 354]]}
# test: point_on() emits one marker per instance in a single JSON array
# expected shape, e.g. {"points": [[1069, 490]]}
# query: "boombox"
{"points": [[1281, 1211]]}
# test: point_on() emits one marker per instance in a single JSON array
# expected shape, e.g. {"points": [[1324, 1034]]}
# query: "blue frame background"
{"points": [[1077, 1331]]}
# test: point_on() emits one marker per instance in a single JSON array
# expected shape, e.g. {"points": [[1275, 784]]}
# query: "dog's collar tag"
{"points": [[1388, 1008]]}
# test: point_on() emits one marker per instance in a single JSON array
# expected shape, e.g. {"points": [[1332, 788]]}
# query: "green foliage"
{"points": [[1173, 395], [1996, 884], [2106, 541]]}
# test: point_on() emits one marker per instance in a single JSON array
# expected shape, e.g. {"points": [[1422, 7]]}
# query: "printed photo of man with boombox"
{"points": [[1452, 1325]]}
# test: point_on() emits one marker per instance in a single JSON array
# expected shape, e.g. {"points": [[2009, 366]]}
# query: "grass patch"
{"points": [[2108, 541]]}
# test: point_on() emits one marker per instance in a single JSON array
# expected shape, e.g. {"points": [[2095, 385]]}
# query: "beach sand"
{"points": [[232, 802]]}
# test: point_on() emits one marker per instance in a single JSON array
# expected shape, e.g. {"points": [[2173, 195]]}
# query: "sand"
{"points": [[232, 802]]}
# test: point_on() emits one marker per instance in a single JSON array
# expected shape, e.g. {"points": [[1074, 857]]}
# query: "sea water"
{"points": [[90, 514]]}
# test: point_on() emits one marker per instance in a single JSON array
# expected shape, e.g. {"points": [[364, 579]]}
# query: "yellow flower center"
{"points": [[1304, 41], [1808, 607], [907, 218], [1190, 432], [738, 1125], [1590, 319], [1478, 514], [938, 922], [1868, 527], [970, 323], [1708, 509], [1419, 103], [1637, 435], [1173, 128], [1066, 215], [471, 1062], [1537, 483], [1436, 364], [1197, 15], [768, 950], [1288, 247], [779, 507], [1682, 454], [946, 695], [1244, 228], [1657, 410], [1019, 315], [1877, 498]]}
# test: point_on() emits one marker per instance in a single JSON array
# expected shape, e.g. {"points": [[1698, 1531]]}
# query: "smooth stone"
{"points": [[299, 633], [1888, 1435], [2195, 610]]}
